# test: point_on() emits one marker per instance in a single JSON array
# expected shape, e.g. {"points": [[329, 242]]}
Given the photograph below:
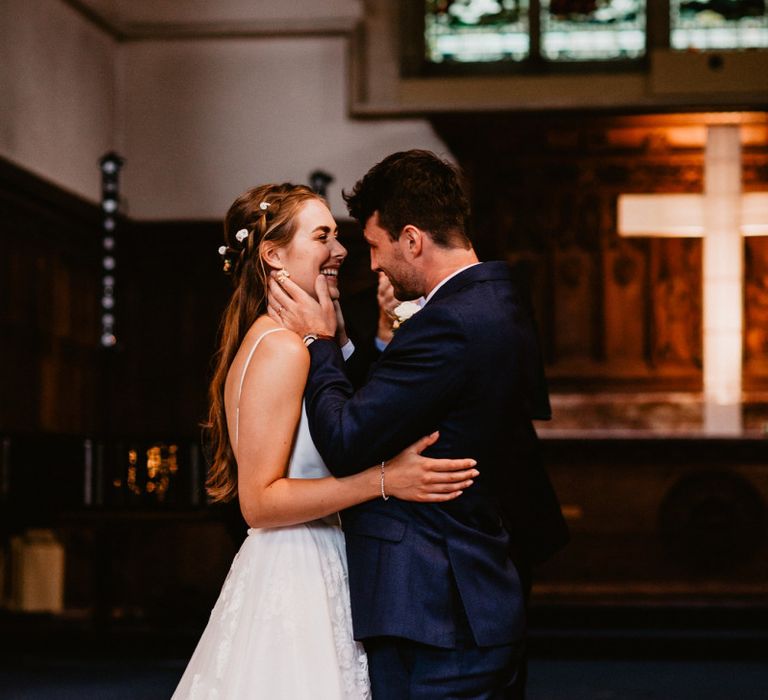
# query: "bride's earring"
{"points": [[281, 275]]}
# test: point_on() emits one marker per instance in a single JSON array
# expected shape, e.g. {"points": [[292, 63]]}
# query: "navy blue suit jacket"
{"points": [[468, 364]]}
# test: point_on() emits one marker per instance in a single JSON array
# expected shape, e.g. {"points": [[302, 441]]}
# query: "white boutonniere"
{"points": [[403, 312]]}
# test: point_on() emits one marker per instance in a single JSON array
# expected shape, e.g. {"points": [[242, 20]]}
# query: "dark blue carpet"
{"points": [[549, 680]]}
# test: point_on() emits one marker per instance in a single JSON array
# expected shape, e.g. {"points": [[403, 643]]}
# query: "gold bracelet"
{"points": [[383, 492]]}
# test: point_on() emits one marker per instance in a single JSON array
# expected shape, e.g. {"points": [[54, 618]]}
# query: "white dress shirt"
{"points": [[421, 301]]}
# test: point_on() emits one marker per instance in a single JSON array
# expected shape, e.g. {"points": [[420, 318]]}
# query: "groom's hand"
{"points": [[385, 296], [291, 306]]}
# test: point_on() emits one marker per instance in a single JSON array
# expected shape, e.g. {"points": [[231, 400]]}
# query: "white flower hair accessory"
{"points": [[229, 256], [241, 235], [264, 206], [403, 312]]}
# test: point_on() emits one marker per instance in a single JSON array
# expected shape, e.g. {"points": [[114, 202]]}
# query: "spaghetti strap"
{"points": [[242, 378]]}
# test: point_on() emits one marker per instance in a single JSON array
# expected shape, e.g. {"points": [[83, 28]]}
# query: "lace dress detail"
{"points": [[350, 654], [281, 628]]}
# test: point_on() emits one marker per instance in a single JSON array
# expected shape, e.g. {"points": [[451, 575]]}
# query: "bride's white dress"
{"points": [[281, 628]]}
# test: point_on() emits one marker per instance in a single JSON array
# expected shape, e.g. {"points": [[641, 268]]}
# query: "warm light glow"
{"points": [[723, 275], [754, 214], [682, 215], [673, 215], [721, 296], [572, 512], [722, 215], [721, 348]]}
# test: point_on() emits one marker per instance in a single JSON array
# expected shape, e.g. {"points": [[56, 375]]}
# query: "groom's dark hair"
{"points": [[418, 188]]}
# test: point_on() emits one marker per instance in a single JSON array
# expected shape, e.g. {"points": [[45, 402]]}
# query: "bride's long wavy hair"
{"points": [[268, 214]]}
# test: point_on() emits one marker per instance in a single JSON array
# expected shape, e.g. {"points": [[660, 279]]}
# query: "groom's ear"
{"points": [[412, 240]]}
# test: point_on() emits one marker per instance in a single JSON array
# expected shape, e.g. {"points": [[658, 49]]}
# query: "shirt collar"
{"points": [[443, 281]]}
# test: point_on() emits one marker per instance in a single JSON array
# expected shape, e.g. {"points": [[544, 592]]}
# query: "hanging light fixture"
{"points": [[319, 181], [110, 165]]}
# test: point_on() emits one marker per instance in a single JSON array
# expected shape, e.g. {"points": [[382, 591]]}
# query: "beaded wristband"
{"points": [[383, 492]]}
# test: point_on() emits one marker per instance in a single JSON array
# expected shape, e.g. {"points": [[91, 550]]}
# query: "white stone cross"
{"points": [[722, 215]]}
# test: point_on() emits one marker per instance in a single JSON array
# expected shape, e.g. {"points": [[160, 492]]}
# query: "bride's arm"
{"points": [[270, 408]]}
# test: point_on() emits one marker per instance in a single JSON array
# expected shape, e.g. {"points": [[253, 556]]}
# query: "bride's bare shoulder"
{"points": [[277, 353], [279, 344], [279, 367]]}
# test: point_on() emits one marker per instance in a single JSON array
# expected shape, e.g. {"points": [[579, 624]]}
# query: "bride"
{"points": [[281, 628]]}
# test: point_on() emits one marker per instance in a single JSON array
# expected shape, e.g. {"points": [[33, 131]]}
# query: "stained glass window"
{"points": [[585, 30], [719, 24], [473, 31]]}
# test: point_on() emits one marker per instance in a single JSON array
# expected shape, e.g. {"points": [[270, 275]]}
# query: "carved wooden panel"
{"points": [[612, 310], [756, 308], [625, 275], [573, 291], [676, 294]]}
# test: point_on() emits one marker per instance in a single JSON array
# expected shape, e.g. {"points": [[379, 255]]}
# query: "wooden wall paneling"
{"points": [[755, 179], [49, 355], [676, 298], [574, 307], [756, 311], [576, 282], [71, 353], [18, 342], [624, 275], [171, 293], [558, 179]]}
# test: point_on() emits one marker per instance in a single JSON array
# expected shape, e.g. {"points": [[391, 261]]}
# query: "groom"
{"points": [[438, 590]]}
